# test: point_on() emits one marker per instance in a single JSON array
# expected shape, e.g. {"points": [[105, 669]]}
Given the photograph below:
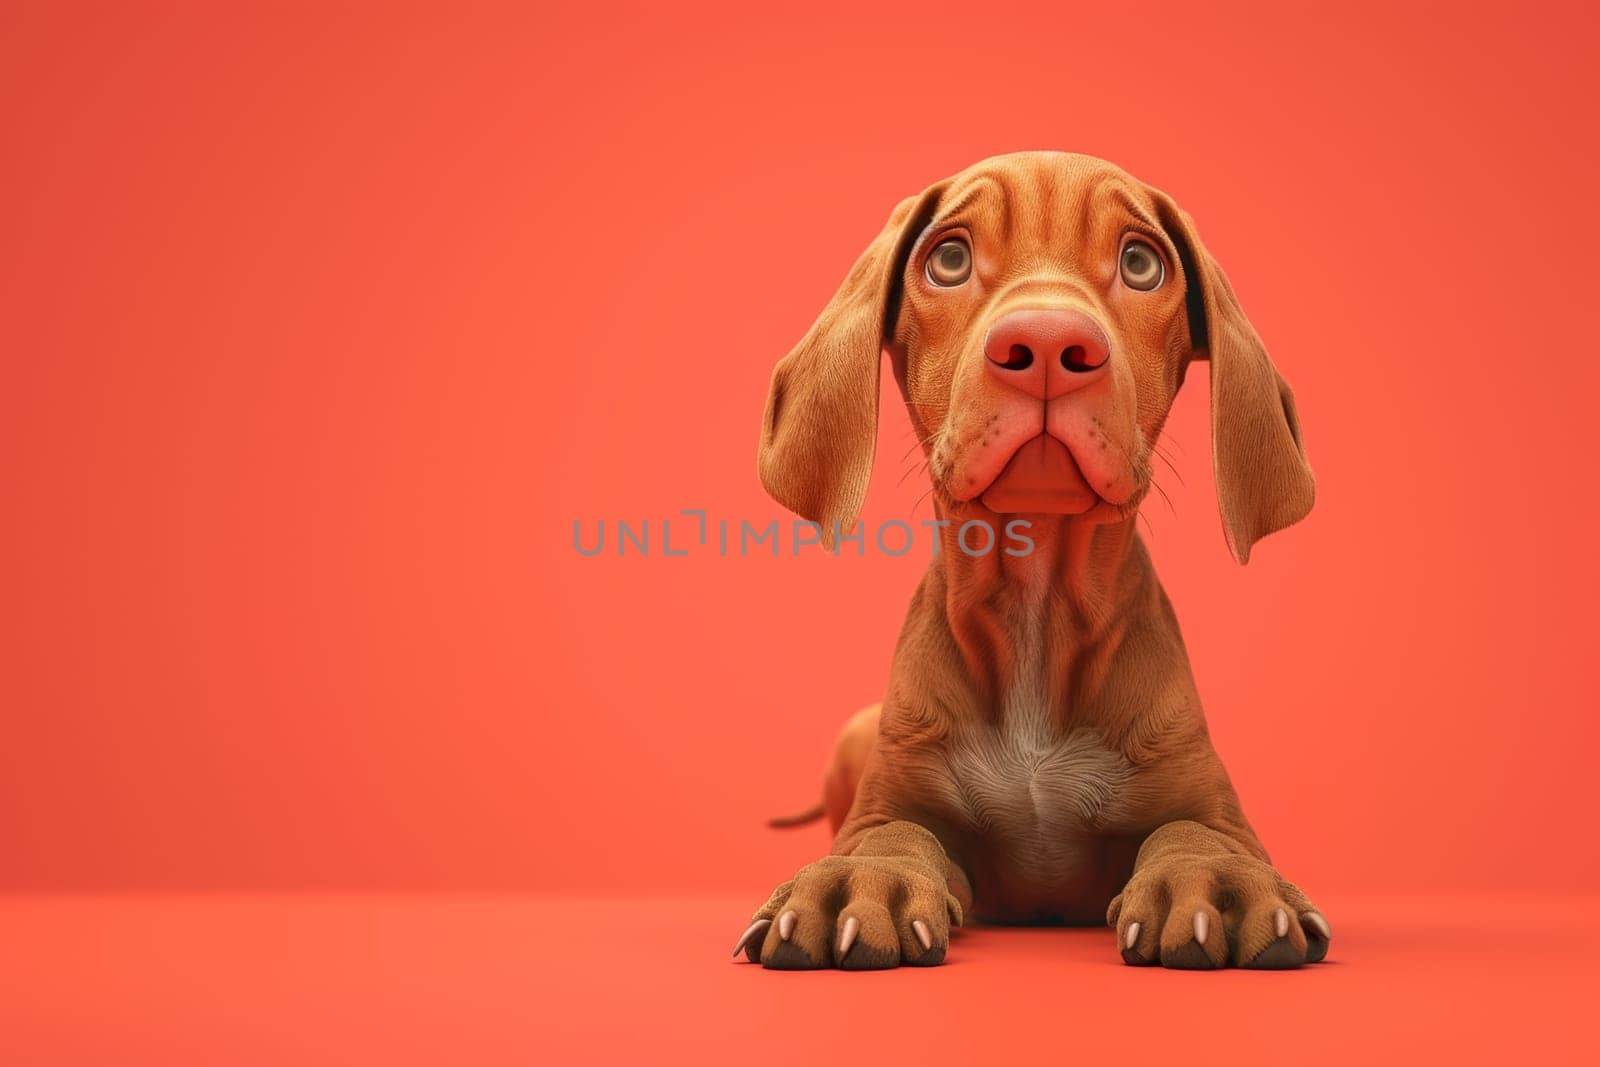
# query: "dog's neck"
{"points": [[1048, 620]]}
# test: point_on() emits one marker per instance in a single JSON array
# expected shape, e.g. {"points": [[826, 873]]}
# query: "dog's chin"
{"points": [[1040, 478]]}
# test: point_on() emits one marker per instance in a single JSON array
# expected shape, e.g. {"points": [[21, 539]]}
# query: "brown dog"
{"points": [[1041, 752]]}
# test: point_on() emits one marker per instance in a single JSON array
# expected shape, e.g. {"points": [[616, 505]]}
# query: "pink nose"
{"points": [[1046, 353]]}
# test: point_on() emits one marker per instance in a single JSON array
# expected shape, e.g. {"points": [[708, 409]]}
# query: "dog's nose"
{"points": [[1046, 352]]}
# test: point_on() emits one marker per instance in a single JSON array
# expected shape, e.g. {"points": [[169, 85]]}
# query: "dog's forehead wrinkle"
{"points": [[1064, 220], [979, 192]]}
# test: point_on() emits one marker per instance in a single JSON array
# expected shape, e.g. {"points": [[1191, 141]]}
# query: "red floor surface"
{"points": [[309, 979]]}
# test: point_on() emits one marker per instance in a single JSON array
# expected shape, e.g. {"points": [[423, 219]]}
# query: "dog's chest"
{"points": [[1037, 791], [1041, 804], [1026, 775]]}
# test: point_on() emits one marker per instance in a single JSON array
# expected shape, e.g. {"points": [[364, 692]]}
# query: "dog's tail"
{"points": [[799, 818]]}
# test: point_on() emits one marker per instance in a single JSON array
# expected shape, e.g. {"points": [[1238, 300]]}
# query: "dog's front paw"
{"points": [[857, 913], [1203, 911]]}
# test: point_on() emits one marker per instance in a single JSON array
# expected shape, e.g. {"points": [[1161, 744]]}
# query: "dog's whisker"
{"points": [[1157, 487], [1173, 467], [917, 469], [921, 442]]}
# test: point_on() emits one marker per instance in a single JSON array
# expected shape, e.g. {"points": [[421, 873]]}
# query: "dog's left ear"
{"points": [[821, 423], [1264, 482]]}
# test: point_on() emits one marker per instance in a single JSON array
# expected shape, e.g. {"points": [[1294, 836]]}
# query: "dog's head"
{"points": [[1040, 310]]}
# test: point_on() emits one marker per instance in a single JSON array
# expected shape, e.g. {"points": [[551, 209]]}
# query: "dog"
{"points": [[1040, 755]]}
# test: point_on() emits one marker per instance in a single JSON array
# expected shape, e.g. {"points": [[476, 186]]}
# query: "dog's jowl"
{"points": [[1040, 755]]}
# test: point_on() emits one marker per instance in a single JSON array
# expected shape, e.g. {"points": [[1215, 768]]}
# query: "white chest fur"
{"points": [[1014, 789], [1027, 783]]}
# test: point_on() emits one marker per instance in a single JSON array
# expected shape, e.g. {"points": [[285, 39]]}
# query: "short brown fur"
{"points": [[1040, 755]]}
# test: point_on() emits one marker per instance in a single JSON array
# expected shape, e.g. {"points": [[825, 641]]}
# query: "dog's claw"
{"points": [[847, 936], [1319, 922], [1280, 923], [1202, 926], [1132, 937], [786, 925], [757, 927], [923, 935]]}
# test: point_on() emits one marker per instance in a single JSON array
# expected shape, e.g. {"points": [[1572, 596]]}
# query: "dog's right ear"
{"points": [[821, 423]]}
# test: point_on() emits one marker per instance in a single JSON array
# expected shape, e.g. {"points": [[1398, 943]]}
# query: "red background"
{"points": [[321, 329]]}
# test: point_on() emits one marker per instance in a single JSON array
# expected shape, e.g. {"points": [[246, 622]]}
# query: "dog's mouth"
{"points": [[1041, 477]]}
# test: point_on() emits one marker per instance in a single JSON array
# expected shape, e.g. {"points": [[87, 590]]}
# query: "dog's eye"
{"points": [[950, 264], [1142, 267]]}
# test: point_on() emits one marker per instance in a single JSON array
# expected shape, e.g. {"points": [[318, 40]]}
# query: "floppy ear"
{"points": [[1263, 480], [821, 423]]}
